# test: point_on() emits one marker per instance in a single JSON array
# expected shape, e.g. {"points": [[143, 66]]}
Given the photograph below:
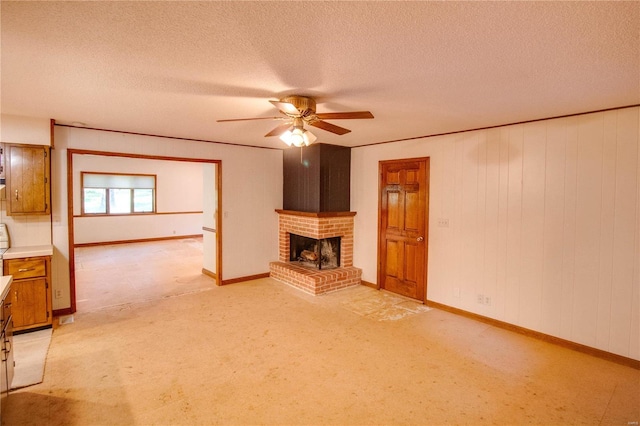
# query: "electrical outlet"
{"points": [[487, 300], [480, 299], [58, 293], [443, 222]]}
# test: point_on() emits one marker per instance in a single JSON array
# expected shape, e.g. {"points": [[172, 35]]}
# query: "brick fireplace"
{"points": [[317, 226]]}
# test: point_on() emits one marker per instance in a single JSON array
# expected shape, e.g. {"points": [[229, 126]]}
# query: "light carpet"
{"points": [[30, 354]]}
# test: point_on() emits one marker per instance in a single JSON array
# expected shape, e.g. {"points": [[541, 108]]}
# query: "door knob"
{"points": [[420, 239]]}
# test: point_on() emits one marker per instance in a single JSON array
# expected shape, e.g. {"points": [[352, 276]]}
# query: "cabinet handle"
{"points": [[5, 355], [16, 195], [26, 269], [7, 350]]}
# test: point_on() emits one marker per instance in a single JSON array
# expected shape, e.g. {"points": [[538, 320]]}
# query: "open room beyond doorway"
{"points": [[184, 205], [118, 274]]}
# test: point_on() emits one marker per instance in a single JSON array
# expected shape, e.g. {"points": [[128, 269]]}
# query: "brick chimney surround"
{"points": [[316, 195], [317, 226]]}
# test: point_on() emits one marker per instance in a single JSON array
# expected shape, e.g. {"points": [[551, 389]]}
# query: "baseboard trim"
{"points": [[368, 284], [619, 359], [142, 240], [210, 274], [61, 312], [247, 278], [30, 330]]}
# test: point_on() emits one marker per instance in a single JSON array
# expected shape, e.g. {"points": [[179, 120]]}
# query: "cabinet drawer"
{"points": [[26, 268]]}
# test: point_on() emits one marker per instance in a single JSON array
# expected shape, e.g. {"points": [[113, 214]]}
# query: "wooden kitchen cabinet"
{"points": [[30, 292], [27, 170]]}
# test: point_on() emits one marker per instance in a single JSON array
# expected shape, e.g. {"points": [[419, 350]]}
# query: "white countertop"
{"points": [[5, 284], [28, 251]]}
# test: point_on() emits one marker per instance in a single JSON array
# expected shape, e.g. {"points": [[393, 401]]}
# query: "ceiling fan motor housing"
{"points": [[306, 106]]}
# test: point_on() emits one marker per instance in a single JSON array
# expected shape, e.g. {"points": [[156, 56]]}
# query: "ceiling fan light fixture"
{"points": [[309, 138], [298, 136]]}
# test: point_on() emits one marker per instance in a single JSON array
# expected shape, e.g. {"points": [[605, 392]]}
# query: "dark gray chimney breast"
{"points": [[317, 178]]}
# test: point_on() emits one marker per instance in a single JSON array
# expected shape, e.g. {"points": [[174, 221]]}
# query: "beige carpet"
{"points": [[30, 353], [146, 349], [261, 352]]}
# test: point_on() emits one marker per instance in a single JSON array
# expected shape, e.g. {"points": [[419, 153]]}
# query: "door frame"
{"points": [[427, 173], [70, 215]]}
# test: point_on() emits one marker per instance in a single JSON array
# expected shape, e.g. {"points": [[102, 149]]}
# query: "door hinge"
{"points": [[45, 152], [47, 314], [46, 180]]}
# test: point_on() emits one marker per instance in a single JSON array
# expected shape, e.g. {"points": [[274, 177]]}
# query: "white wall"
{"points": [[251, 191], [25, 130], [179, 189], [26, 230], [543, 219]]}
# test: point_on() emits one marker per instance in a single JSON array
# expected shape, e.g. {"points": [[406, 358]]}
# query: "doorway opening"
{"points": [[177, 249]]}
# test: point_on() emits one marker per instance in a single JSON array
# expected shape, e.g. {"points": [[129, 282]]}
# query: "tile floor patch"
{"points": [[30, 354], [65, 319], [379, 305]]}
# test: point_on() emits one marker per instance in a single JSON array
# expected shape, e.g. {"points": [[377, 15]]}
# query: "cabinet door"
{"points": [[27, 172], [7, 359], [29, 303]]}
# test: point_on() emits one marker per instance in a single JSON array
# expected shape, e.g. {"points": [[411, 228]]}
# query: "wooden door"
{"points": [[402, 227]]}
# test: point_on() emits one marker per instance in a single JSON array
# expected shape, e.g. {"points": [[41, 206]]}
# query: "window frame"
{"points": [[108, 195]]}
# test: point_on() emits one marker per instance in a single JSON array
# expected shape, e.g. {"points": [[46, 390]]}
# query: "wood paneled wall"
{"points": [[543, 223]]}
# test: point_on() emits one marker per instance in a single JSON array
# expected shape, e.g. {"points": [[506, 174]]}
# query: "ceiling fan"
{"points": [[298, 110]]}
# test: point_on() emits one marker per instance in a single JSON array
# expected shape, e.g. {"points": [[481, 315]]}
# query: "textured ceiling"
{"points": [[422, 68]]}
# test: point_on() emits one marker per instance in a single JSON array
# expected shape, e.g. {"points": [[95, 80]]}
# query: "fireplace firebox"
{"points": [[313, 253]]}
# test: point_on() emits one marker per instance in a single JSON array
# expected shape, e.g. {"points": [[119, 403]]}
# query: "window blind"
{"points": [[96, 180]]}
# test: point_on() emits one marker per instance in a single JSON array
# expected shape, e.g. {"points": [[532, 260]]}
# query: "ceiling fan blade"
{"points": [[279, 130], [344, 115], [249, 119], [286, 107], [329, 127]]}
